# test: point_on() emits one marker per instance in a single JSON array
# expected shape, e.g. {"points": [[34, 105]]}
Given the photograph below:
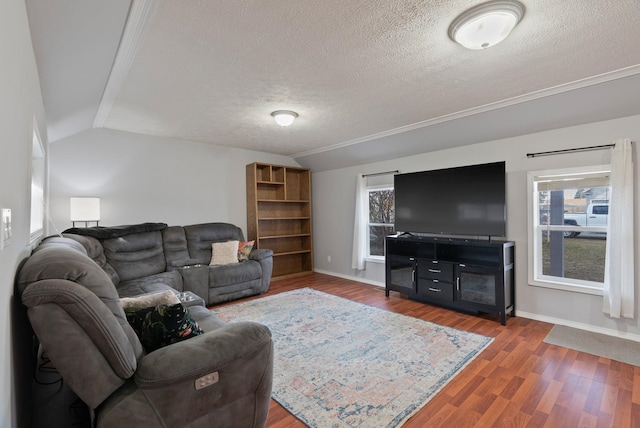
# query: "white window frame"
{"points": [[37, 192], [375, 188], [536, 278]]}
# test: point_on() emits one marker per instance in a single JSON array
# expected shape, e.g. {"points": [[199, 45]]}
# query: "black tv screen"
{"points": [[467, 200]]}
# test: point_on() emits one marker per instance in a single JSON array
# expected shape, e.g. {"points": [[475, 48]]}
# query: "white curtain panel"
{"points": [[360, 225], [619, 280]]}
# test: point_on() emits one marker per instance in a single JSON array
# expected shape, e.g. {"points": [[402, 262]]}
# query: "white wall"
{"points": [[20, 100], [142, 178], [333, 205]]}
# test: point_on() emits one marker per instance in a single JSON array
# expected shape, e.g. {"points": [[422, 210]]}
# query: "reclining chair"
{"points": [[220, 378]]}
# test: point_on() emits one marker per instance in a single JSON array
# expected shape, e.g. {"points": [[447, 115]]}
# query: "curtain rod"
{"points": [[579, 149], [381, 173]]}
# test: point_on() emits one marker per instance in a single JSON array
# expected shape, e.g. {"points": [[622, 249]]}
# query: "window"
{"points": [[381, 218], [36, 229], [568, 219]]}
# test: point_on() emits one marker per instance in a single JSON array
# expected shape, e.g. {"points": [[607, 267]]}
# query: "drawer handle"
{"points": [[435, 290], [435, 270]]}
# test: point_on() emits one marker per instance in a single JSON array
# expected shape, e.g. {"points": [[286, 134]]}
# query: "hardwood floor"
{"points": [[518, 381]]}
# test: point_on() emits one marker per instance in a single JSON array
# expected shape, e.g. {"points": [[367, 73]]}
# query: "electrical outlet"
{"points": [[5, 227], [329, 259]]}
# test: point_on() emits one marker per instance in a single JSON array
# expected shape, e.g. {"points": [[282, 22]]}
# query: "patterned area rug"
{"points": [[339, 363]]}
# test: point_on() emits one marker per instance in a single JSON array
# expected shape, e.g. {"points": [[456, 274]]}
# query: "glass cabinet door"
{"points": [[476, 285], [401, 274]]}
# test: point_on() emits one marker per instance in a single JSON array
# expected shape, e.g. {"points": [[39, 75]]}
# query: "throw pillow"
{"points": [[244, 248], [167, 297], [224, 253], [162, 325]]}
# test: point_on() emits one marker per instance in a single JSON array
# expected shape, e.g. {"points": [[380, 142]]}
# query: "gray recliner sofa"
{"points": [[222, 377], [151, 257]]}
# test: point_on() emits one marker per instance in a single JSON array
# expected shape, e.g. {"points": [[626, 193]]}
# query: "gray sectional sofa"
{"points": [[218, 375], [150, 257]]}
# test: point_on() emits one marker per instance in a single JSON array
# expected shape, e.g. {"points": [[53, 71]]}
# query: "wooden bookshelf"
{"points": [[279, 216]]}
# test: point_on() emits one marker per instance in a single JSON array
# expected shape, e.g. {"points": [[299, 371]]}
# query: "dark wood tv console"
{"points": [[466, 275]]}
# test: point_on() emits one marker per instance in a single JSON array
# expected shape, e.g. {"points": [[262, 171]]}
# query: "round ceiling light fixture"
{"points": [[486, 24], [284, 117]]}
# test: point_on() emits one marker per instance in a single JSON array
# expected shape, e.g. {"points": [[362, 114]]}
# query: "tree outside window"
{"points": [[381, 218]]}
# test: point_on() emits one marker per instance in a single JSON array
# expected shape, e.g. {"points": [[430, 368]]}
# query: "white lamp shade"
{"points": [[284, 117], [85, 209], [487, 24]]}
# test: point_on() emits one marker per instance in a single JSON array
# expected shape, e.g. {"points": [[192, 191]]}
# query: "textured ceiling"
{"points": [[213, 71]]}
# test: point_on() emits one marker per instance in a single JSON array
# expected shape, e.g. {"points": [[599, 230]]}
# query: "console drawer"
{"points": [[433, 269], [434, 289]]}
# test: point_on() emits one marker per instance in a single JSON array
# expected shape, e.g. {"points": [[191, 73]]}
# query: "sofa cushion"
{"points": [[69, 265], [207, 320], [137, 255], [201, 236], [92, 246], [95, 250], [234, 273], [175, 245], [151, 284], [162, 325], [90, 347], [224, 253], [61, 241]]}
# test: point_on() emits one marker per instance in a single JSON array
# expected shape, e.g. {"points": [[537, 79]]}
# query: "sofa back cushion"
{"points": [[75, 311], [175, 244], [136, 255], [58, 260], [87, 344], [201, 236], [94, 250]]}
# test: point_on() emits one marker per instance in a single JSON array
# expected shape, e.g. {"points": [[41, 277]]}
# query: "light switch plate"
{"points": [[5, 227]]}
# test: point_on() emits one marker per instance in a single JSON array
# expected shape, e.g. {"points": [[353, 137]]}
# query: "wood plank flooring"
{"points": [[518, 381]]}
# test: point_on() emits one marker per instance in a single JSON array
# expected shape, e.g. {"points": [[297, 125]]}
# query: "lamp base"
{"points": [[86, 223]]}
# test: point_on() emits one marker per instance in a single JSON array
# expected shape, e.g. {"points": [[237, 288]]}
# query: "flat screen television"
{"points": [[466, 200]]}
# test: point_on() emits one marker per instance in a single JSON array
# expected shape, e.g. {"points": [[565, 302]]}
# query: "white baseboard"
{"points": [[537, 317], [352, 278], [581, 326]]}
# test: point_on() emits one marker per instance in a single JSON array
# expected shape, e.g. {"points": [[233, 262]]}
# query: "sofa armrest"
{"points": [[195, 278], [264, 256], [221, 378], [202, 355], [260, 254]]}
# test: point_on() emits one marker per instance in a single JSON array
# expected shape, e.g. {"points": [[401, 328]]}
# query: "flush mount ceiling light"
{"points": [[487, 24], [284, 117]]}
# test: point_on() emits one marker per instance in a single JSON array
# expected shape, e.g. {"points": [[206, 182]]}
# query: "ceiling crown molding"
{"points": [[556, 90], [131, 36]]}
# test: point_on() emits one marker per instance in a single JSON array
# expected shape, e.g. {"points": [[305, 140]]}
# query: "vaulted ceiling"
{"points": [[370, 79]]}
